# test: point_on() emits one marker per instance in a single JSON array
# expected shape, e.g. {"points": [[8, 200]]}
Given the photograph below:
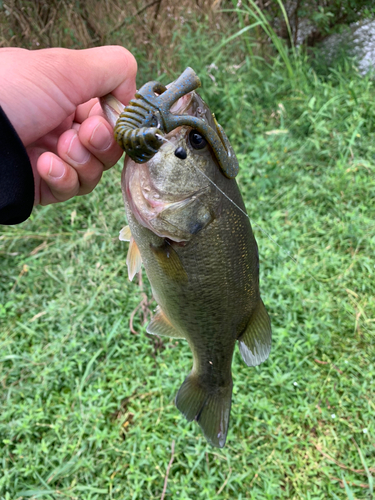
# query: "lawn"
{"points": [[87, 405]]}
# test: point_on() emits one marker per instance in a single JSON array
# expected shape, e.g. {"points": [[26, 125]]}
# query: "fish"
{"points": [[188, 227]]}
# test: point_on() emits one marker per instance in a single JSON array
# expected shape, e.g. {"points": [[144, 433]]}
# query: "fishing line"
{"points": [[265, 232], [179, 153], [190, 162], [288, 254], [268, 236], [182, 155], [165, 139]]}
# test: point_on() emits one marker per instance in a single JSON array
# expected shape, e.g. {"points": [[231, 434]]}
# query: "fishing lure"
{"points": [[147, 118]]}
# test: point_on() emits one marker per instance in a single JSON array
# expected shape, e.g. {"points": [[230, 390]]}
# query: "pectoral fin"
{"points": [[160, 325], [170, 262], [125, 234], [133, 259], [255, 342], [188, 216], [180, 220]]}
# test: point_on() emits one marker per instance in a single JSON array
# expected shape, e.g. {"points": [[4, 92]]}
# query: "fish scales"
{"points": [[200, 256]]}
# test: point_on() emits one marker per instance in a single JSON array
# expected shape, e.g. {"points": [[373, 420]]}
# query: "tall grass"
{"points": [[251, 9]]}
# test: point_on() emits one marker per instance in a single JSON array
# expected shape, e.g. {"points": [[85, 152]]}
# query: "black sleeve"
{"points": [[16, 176]]}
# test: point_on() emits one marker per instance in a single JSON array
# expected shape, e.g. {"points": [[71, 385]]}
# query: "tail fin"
{"points": [[211, 409]]}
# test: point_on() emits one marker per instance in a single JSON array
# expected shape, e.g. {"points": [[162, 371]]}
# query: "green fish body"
{"points": [[201, 258]]}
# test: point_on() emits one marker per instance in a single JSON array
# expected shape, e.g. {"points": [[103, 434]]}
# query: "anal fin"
{"points": [[160, 325], [255, 341], [211, 409]]}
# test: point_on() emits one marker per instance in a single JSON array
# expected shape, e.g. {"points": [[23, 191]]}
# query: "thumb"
{"points": [[43, 87], [95, 72]]}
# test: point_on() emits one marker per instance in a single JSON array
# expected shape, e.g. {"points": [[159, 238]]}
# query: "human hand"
{"points": [[50, 97]]}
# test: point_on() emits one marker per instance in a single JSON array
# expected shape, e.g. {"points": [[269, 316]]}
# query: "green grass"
{"points": [[87, 407]]}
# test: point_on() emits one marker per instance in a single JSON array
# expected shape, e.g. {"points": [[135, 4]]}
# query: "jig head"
{"points": [[140, 127]]}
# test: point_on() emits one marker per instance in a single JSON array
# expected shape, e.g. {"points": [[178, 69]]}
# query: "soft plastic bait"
{"points": [[147, 118]]}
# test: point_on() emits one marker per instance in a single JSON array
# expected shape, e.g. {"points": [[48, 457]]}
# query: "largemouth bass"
{"points": [[189, 228]]}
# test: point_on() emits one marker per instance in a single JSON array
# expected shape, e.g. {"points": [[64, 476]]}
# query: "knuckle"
{"points": [[87, 186], [67, 190], [66, 187]]}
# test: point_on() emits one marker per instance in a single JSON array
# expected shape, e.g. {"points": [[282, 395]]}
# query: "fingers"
{"points": [[41, 88], [81, 158], [96, 135], [59, 180], [89, 108]]}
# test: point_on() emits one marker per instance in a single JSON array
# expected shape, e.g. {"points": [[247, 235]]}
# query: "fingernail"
{"points": [[100, 137], [77, 152], [56, 168]]}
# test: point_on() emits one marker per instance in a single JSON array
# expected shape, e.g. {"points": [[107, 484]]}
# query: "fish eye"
{"points": [[197, 140]]}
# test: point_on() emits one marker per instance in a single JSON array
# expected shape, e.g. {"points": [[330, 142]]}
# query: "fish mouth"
{"points": [[169, 211], [147, 203]]}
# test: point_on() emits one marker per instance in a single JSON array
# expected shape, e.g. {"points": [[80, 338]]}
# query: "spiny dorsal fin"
{"points": [[133, 259], [160, 325], [255, 342]]}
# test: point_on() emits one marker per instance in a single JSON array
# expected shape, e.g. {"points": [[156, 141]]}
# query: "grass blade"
{"points": [[368, 473], [256, 13], [88, 369], [348, 490], [232, 37]]}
